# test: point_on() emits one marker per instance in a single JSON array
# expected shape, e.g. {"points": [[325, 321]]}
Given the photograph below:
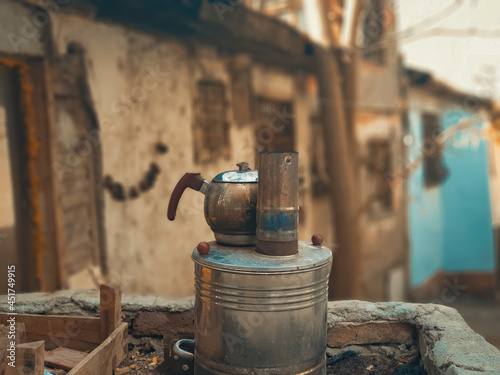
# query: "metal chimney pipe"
{"points": [[277, 203]]}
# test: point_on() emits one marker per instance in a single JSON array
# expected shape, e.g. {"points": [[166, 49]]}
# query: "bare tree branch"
{"points": [[432, 20], [415, 32], [414, 165]]}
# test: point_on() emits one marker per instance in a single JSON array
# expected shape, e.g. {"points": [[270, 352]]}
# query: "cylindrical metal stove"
{"points": [[277, 203], [259, 314]]}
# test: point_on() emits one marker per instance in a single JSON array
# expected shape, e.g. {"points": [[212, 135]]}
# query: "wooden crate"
{"points": [[104, 336]]}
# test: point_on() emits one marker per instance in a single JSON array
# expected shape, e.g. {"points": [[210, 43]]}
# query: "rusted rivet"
{"points": [[203, 248], [317, 239]]}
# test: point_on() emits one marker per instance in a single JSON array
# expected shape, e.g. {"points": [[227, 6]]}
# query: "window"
{"points": [[241, 98], [434, 170], [320, 181], [379, 165], [211, 129], [373, 31], [275, 126]]}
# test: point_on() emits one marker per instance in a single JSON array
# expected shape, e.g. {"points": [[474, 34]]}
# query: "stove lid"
{"points": [[246, 259], [243, 175], [238, 177]]}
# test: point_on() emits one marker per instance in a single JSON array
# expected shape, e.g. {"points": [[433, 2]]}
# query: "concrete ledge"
{"points": [[446, 343], [146, 315], [437, 334], [344, 334]]}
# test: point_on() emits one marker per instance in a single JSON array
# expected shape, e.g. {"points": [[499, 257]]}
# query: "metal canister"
{"points": [[277, 203], [259, 314]]}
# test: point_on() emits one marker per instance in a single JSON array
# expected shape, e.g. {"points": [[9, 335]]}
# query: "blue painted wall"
{"points": [[450, 225]]}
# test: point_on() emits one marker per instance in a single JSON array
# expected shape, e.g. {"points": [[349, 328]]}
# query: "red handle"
{"points": [[189, 180]]}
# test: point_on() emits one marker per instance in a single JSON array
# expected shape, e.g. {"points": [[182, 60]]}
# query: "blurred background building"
{"points": [[104, 105]]}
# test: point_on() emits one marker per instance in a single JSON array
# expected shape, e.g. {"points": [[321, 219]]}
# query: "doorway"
{"points": [[30, 230], [8, 110]]}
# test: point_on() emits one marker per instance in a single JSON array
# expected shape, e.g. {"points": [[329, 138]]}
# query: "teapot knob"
{"points": [[317, 239], [243, 166], [203, 248]]}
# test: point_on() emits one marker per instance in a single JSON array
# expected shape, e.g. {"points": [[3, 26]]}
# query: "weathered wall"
{"points": [[18, 34], [385, 248], [466, 201], [142, 86]]}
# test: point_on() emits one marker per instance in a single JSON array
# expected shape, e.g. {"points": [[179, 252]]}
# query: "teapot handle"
{"points": [[191, 180]]}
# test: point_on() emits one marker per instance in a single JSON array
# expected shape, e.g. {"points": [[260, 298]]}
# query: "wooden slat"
{"points": [[57, 223], [52, 342], [52, 274], [64, 358], [79, 333], [29, 360], [107, 356], [110, 310]]}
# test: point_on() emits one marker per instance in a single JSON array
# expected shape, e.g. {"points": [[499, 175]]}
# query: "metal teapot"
{"points": [[230, 203]]}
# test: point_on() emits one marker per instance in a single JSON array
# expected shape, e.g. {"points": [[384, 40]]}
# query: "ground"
{"points": [[143, 356], [349, 363], [144, 353], [482, 315]]}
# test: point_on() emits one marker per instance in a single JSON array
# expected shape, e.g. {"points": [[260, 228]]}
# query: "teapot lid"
{"points": [[243, 175]]}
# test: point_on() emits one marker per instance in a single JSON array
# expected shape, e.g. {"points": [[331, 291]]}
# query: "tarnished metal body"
{"points": [[230, 207], [260, 314], [277, 203], [230, 203]]}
